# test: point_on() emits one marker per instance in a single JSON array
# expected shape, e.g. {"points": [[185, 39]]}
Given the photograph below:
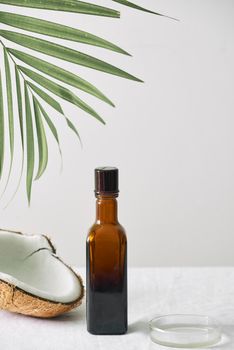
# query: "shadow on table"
{"points": [[76, 315], [72, 316], [140, 326], [227, 341]]}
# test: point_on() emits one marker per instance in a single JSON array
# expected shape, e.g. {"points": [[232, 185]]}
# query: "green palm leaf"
{"points": [[10, 115], [20, 105], [40, 84], [65, 6], [2, 133], [56, 30], [30, 144], [42, 141], [72, 127], [47, 98], [64, 53], [137, 7], [53, 103], [20, 115], [60, 74], [9, 104], [50, 124], [60, 91]]}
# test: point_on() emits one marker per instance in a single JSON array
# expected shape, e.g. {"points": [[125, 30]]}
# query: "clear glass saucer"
{"points": [[184, 331]]}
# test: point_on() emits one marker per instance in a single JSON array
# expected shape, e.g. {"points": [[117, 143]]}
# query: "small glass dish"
{"points": [[184, 331]]}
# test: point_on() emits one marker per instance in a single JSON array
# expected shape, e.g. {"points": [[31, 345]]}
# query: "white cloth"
{"points": [[152, 292]]}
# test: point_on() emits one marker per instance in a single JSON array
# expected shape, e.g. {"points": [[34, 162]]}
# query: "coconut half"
{"points": [[33, 280]]}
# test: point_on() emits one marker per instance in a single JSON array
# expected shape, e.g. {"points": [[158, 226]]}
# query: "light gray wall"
{"points": [[172, 139]]}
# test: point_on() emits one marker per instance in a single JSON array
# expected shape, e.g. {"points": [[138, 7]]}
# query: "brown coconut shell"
{"points": [[15, 299]]}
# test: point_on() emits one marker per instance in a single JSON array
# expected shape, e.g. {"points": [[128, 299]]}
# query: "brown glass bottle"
{"points": [[106, 261]]}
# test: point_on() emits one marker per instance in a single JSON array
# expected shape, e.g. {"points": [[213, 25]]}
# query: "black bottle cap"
{"points": [[106, 180]]}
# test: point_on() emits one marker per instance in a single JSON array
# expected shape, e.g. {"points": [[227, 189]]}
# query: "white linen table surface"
{"points": [[151, 292]]}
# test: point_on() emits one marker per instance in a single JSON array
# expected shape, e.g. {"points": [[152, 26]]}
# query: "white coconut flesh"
{"points": [[29, 263]]}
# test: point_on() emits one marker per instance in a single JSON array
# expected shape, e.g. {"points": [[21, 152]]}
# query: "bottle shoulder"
{"points": [[106, 229]]}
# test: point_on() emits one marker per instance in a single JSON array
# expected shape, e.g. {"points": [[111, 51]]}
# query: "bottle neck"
{"points": [[106, 209]]}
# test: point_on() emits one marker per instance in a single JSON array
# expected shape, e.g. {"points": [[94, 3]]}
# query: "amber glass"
{"points": [[106, 263]]}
